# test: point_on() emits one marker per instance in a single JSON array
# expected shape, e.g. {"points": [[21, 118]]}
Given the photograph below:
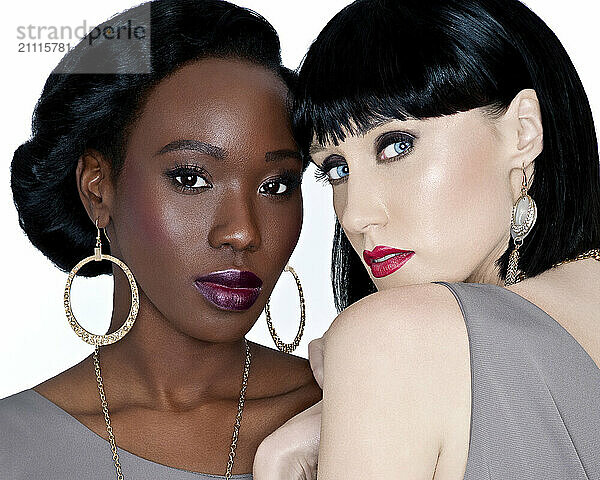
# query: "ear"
{"points": [[530, 134], [522, 123], [521, 129], [94, 185]]}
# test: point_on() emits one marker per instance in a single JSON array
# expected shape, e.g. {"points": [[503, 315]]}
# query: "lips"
{"points": [[230, 289], [385, 260]]}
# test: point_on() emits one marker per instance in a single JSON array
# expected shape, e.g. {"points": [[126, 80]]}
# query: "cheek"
{"points": [[339, 204], [339, 197], [156, 222], [459, 202], [143, 212], [281, 225]]}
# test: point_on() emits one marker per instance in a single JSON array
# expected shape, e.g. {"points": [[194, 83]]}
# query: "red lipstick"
{"points": [[230, 289], [385, 260]]}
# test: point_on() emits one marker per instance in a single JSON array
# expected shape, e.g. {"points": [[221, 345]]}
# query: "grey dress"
{"points": [[39, 440], [535, 407], [535, 411]]}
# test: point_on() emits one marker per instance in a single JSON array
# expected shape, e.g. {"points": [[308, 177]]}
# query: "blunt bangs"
{"points": [[356, 75]]}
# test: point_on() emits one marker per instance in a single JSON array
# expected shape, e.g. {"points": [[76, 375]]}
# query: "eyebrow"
{"points": [[278, 155], [219, 153], [202, 147]]}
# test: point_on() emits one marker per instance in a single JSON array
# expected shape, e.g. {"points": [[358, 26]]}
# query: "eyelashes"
{"points": [[393, 145], [331, 172], [288, 178], [321, 174], [389, 146], [188, 171]]}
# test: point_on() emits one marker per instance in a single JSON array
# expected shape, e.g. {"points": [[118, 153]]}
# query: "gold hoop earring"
{"points": [[89, 337], [104, 230], [288, 347], [524, 215]]}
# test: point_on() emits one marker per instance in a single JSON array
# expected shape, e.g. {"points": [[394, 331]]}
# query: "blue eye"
{"points": [[332, 174], [395, 149], [337, 172]]}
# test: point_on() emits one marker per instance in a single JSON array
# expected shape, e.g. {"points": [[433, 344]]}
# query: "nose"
{"points": [[364, 207], [235, 225]]}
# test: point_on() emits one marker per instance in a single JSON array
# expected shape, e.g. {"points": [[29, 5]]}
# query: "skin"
{"points": [[176, 376], [463, 170]]}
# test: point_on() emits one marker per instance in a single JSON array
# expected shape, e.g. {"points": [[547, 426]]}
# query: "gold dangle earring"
{"points": [[524, 215], [89, 337], [288, 347]]}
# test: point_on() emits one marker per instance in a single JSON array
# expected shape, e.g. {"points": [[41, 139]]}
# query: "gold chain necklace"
{"points": [[236, 427], [594, 253]]}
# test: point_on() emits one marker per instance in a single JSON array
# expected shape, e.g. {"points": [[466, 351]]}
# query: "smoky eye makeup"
{"points": [[192, 178], [393, 145], [389, 146], [282, 185], [189, 178], [333, 170]]}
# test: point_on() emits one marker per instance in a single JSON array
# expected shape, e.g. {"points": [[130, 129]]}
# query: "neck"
{"points": [[159, 367], [487, 272]]}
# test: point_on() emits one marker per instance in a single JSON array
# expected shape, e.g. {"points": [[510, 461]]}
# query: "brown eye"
{"points": [[273, 188], [191, 181], [283, 185], [189, 178]]}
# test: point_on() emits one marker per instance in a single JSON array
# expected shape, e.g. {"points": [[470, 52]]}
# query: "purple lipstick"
{"points": [[230, 289]]}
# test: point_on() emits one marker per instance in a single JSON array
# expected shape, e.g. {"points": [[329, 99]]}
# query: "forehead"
{"points": [[215, 84], [221, 101]]}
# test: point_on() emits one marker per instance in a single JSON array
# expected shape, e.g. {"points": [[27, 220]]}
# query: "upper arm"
{"points": [[394, 375]]}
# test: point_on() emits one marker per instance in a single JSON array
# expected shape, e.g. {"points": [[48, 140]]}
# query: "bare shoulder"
{"points": [[421, 326], [421, 310], [409, 344], [74, 390]]}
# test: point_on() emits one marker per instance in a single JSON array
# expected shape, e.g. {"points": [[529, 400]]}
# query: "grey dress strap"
{"points": [[39, 440], [535, 391]]}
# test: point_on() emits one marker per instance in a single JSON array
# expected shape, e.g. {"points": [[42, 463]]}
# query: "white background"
{"points": [[36, 342]]}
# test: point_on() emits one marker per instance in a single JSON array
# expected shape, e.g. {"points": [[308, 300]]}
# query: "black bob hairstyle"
{"points": [[397, 59], [96, 110]]}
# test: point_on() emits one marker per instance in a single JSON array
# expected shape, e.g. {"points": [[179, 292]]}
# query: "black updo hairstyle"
{"points": [[96, 110], [399, 59]]}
